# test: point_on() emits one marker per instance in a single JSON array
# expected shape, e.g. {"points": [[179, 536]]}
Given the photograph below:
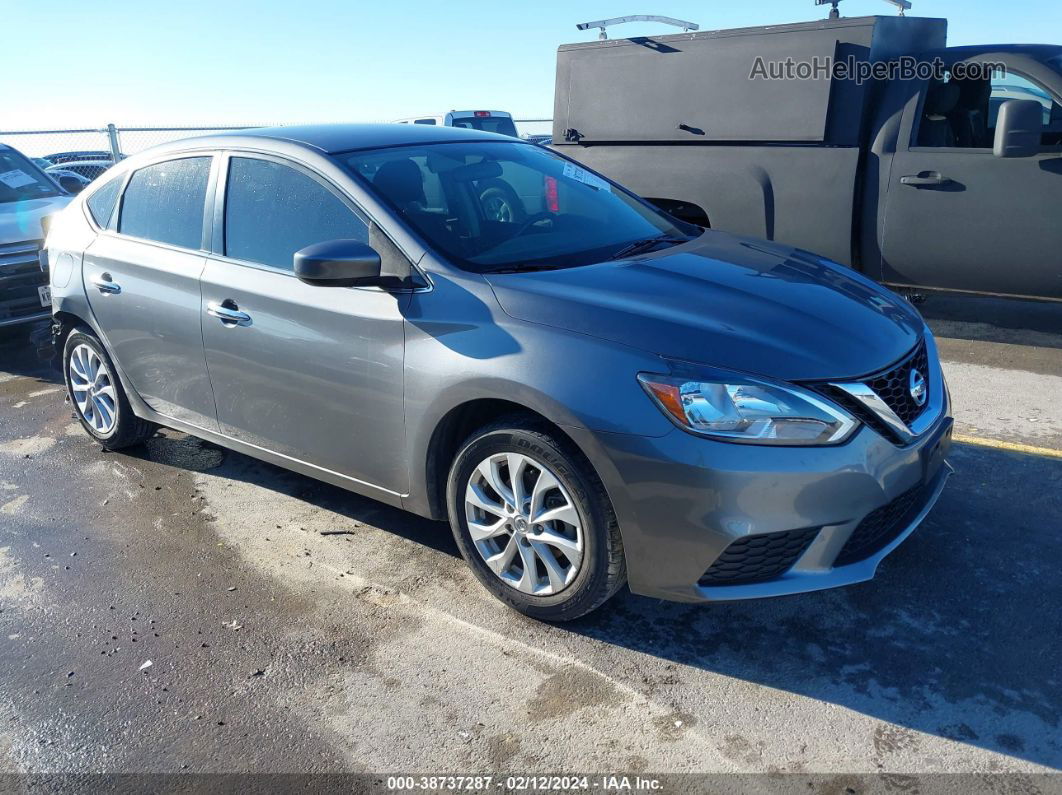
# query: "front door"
{"points": [[142, 282], [313, 373], [957, 217]]}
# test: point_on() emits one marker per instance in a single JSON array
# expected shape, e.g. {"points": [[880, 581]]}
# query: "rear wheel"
{"points": [[99, 401], [533, 522]]}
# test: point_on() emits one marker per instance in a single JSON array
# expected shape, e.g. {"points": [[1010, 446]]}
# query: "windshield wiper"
{"points": [[640, 246]]}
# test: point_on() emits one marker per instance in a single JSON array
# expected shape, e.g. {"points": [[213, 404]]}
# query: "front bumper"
{"points": [[682, 501], [20, 279]]}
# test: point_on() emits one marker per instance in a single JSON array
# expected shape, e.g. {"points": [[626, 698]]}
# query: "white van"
{"points": [[495, 121]]}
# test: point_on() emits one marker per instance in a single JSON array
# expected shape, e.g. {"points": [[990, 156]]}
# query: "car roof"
{"points": [[333, 138]]}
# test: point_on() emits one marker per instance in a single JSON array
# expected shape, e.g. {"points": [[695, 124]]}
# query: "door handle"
{"points": [[103, 283], [228, 313], [927, 179]]}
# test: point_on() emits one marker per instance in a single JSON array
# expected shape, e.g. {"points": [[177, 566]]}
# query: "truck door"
{"points": [[959, 218]]}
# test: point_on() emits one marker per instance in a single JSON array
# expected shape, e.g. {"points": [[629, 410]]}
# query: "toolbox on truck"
{"points": [[699, 87]]}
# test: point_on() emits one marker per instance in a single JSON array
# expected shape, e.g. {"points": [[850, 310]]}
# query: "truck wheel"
{"points": [[97, 395], [533, 521], [500, 202]]}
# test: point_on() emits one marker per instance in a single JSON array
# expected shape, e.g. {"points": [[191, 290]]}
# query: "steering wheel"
{"points": [[530, 221]]}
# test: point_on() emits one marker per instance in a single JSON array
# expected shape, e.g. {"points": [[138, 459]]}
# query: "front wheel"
{"points": [[533, 522], [99, 400]]}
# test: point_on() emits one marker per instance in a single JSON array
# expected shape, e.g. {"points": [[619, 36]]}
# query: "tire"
{"points": [[500, 202], [576, 588], [123, 428]]}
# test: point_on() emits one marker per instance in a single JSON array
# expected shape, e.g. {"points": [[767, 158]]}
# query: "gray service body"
{"points": [[819, 163], [367, 388]]}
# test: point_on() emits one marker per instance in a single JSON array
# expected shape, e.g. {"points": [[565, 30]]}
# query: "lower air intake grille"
{"points": [[759, 558], [880, 527]]}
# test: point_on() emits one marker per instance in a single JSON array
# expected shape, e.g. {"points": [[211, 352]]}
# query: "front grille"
{"points": [[20, 276], [893, 386], [881, 527], [859, 410], [759, 558]]}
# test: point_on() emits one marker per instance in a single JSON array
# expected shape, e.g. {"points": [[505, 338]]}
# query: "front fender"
{"points": [[461, 347]]}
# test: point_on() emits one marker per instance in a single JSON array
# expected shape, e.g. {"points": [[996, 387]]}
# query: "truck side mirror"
{"points": [[1019, 128]]}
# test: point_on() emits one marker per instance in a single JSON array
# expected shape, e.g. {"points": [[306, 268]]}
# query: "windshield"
{"points": [[495, 124], [21, 180], [497, 206]]}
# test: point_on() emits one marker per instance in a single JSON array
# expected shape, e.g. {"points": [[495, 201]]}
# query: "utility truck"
{"points": [[866, 140]]}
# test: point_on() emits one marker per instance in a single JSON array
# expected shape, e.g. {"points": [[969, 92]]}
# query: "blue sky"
{"points": [[72, 63]]}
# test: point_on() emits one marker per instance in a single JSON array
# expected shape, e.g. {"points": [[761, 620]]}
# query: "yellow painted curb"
{"points": [[1013, 447]]}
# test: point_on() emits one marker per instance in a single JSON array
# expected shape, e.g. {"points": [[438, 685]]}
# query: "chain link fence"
{"points": [[111, 143]]}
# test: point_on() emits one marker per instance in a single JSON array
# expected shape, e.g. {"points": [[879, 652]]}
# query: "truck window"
{"points": [[1014, 86], [962, 113]]}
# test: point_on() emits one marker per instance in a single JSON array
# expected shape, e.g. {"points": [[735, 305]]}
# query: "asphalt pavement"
{"points": [[178, 608]]}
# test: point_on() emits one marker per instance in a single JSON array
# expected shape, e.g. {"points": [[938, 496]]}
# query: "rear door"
{"points": [[313, 373], [957, 217], [142, 278]]}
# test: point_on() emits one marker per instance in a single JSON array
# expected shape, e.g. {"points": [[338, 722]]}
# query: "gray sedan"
{"points": [[478, 330]]}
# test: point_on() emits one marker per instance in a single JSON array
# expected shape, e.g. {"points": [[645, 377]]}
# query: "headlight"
{"points": [[738, 408]]}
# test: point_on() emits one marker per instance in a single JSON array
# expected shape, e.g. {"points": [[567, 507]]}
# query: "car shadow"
{"points": [[1006, 320], [958, 636], [190, 453], [27, 351]]}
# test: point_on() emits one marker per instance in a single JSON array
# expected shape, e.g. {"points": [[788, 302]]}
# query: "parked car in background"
{"points": [[83, 154], [88, 169], [27, 197], [589, 389], [496, 121], [70, 181]]}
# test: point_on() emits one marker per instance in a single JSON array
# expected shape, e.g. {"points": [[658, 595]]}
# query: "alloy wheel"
{"points": [[497, 208], [92, 389], [524, 524]]}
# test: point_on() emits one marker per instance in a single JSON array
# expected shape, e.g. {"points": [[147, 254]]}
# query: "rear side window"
{"points": [[273, 210], [164, 202], [101, 203]]}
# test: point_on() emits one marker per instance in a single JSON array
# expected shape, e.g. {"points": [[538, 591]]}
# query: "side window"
{"points": [[272, 211], [962, 113], [164, 202], [101, 203], [1014, 86]]}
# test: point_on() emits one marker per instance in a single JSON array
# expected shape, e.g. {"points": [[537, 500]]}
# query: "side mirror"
{"points": [[71, 184], [338, 263], [1019, 128]]}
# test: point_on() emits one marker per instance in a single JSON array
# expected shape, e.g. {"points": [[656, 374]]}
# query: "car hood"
{"points": [[729, 302], [21, 220]]}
